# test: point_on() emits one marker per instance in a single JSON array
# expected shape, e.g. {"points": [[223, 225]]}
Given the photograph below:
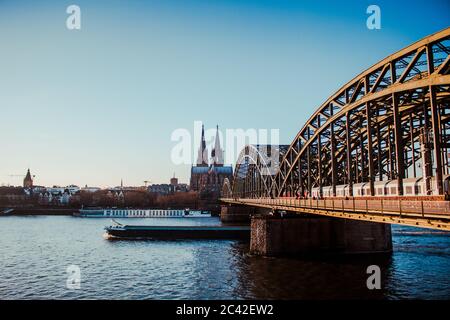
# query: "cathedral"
{"points": [[207, 176]]}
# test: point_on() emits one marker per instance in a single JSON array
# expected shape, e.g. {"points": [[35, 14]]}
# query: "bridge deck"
{"points": [[426, 214]]}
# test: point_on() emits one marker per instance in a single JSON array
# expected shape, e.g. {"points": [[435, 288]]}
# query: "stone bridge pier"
{"points": [[232, 213], [272, 235]]}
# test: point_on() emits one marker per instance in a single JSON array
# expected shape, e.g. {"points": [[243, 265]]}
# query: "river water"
{"points": [[35, 252]]}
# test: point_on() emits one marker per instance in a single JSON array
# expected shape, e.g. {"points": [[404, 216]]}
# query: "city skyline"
{"points": [[95, 105], [28, 176]]}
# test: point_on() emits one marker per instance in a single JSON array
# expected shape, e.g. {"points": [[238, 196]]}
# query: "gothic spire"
{"points": [[217, 152], [202, 157]]}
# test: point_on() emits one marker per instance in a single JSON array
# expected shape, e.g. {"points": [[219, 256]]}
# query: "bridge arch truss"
{"points": [[391, 122], [255, 170]]}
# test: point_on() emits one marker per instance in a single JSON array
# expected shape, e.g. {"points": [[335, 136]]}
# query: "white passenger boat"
{"points": [[141, 213]]}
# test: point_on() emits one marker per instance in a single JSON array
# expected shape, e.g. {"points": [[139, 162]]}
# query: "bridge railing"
{"points": [[412, 208]]}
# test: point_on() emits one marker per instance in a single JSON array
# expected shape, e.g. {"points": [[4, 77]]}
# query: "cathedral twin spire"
{"points": [[216, 152]]}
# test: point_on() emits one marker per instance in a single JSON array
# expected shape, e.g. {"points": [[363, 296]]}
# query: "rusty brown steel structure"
{"points": [[254, 172], [390, 122]]}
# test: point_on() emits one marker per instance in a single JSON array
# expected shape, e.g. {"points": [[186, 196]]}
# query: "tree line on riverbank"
{"points": [[16, 197]]}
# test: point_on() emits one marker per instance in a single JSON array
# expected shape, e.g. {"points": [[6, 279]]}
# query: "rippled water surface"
{"points": [[35, 252]]}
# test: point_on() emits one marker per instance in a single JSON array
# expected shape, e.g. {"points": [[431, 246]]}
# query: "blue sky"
{"points": [[99, 104]]}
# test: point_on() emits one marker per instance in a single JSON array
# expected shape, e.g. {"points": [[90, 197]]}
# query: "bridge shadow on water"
{"points": [[310, 277], [417, 269]]}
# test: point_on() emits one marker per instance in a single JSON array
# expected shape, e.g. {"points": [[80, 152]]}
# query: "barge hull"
{"points": [[178, 234]]}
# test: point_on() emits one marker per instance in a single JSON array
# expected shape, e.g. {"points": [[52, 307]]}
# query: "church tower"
{"points": [[217, 152], [202, 157], [209, 179], [28, 181]]}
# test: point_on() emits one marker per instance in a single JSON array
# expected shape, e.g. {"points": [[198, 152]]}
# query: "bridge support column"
{"points": [[271, 236], [239, 214]]}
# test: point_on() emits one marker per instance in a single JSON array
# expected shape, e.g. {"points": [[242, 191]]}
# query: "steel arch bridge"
{"points": [[391, 123]]}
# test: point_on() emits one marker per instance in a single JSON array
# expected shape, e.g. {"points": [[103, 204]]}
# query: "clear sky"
{"points": [[95, 105]]}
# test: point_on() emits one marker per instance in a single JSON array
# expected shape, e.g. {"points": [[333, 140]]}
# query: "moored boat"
{"points": [[5, 212]]}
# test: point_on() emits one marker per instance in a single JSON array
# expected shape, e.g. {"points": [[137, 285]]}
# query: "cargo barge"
{"points": [[177, 232]]}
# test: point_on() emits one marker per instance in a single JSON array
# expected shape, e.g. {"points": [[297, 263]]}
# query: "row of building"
{"points": [[62, 195]]}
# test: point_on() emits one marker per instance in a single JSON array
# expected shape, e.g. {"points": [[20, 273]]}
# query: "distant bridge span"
{"points": [[376, 150]]}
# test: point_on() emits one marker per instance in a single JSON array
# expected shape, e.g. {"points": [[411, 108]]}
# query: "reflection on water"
{"points": [[35, 252], [308, 278]]}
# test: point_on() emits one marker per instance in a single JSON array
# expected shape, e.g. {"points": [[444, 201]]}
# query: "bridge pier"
{"points": [[274, 236], [231, 213], [235, 214]]}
